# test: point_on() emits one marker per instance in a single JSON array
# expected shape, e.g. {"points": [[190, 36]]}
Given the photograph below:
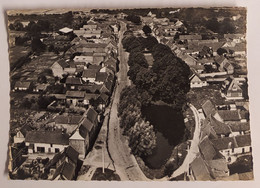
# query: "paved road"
{"points": [[125, 163], [194, 148]]}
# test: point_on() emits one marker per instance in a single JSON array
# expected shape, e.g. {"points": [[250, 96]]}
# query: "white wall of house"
{"points": [[48, 148], [19, 138]]}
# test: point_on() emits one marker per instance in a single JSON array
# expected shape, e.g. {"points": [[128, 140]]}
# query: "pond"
{"points": [[169, 128]]}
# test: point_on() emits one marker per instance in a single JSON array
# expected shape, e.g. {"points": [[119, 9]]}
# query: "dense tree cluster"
{"points": [[141, 135], [167, 80], [133, 18], [222, 27]]}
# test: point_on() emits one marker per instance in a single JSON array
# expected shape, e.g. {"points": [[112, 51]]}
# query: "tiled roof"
{"points": [[65, 170], [208, 108], [207, 150], [47, 137], [101, 76], [224, 143], [73, 81], [89, 73], [200, 170], [229, 115], [22, 84], [77, 94], [243, 140]]}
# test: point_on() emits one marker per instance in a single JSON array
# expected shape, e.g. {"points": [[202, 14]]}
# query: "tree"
{"points": [[11, 27], [147, 30], [142, 139], [213, 25], [221, 51], [37, 45]]}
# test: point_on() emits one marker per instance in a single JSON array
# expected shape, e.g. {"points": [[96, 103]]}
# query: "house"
{"points": [[112, 63], [232, 89], [90, 122], [63, 164], [40, 88], [98, 57], [198, 170], [21, 134], [103, 100], [65, 31], [80, 141], [42, 141], [90, 96], [68, 123], [149, 59], [16, 158], [207, 149], [84, 134], [58, 68], [101, 78], [230, 115], [22, 86], [218, 168], [209, 109], [190, 37], [237, 38], [84, 57], [196, 82], [214, 128], [224, 65], [232, 146], [73, 82], [239, 128], [89, 75], [94, 47], [189, 60], [75, 98]]}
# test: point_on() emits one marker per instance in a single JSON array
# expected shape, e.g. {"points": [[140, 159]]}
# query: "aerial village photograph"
{"points": [[145, 94]]}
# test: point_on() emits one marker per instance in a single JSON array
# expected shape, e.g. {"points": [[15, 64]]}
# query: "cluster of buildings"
{"points": [[87, 71], [224, 136]]}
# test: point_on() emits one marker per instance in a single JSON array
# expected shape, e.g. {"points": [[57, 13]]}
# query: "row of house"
{"points": [[224, 136], [74, 130]]}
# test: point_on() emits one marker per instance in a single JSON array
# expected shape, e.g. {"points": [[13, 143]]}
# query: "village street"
{"points": [[125, 163], [194, 148]]}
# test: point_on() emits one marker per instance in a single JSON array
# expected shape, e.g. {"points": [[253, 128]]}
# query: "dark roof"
{"points": [[77, 94], [208, 108], [219, 127], [207, 150], [218, 168], [87, 124], [22, 84], [92, 88], [94, 67], [101, 76], [47, 137], [243, 140], [199, 169], [25, 129], [237, 127], [65, 170], [69, 152], [94, 45], [83, 131], [111, 62], [190, 37], [224, 143], [89, 73], [92, 115], [72, 119], [62, 63], [149, 59], [219, 59], [104, 97], [89, 96], [73, 81], [229, 115]]}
